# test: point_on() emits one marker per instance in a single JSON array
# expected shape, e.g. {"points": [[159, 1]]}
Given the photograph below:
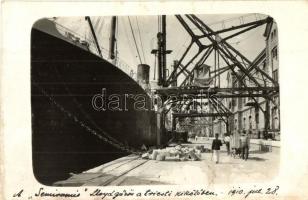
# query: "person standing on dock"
{"points": [[216, 148], [245, 143], [227, 142]]}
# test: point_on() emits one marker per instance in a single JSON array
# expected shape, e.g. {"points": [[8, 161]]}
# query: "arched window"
{"points": [[244, 123], [250, 122]]}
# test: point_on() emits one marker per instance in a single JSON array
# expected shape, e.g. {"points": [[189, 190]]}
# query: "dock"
{"points": [[133, 170]]}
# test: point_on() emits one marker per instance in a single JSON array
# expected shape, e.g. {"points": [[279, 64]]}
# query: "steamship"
{"points": [[68, 134]]}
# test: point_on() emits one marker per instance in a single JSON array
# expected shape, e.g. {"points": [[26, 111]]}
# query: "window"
{"points": [[275, 120], [263, 66], [244, 123], [273, 34], [234, 102], [257, 117], [274, 53], [250, 122], [275, 75], [244, 101]]}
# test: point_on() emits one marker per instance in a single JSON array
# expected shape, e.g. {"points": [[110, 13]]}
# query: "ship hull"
{"points": [[75, 126]]}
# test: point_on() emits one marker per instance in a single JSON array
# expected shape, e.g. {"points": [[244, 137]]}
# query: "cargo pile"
{"points": [[177, 153]]}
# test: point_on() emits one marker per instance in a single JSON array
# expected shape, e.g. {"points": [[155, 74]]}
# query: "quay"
{"points": [[133, 170]]}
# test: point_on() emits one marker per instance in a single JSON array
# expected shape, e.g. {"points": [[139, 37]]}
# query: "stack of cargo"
{"points": [[177, 153]]}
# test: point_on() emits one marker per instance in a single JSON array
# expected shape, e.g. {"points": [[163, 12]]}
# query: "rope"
{"points": [[251, 33], [99, 32], [114, 143], [116, 41], [140, 41], [96, 23], [155, 57], [158, 23], [128, 41], [79, 106], [130, 24], [100, 27], [179, 47]]}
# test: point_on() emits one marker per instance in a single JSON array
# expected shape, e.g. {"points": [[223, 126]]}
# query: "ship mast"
{"points": [[161, 52], [112, 38], [94, 36]]}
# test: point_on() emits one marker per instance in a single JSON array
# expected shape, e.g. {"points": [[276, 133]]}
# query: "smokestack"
{"points": [[143, 75]]}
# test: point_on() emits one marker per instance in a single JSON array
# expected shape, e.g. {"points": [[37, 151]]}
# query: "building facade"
{"points": [[261, 119]]}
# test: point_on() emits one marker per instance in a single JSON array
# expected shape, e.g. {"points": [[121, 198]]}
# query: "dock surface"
{"points": [[132, 170]]}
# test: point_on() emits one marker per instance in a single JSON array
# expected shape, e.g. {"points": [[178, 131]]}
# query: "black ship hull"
{"points": [[70, 134]]}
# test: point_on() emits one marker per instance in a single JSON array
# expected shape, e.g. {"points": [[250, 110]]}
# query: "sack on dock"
{"points": [[173, 158], [183, 159], [193, 156], [145, 156], [160, 157], [174, 152], [164, 152], [178, 147], [154, 154]]}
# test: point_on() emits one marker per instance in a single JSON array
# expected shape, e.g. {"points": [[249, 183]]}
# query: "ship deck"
{"points": [[132, 170]]}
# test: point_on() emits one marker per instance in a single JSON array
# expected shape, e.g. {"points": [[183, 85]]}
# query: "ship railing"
{"points": [[89, 44]]}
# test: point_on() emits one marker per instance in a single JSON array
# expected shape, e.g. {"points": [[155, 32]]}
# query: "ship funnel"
{"points": [[143, 73]]}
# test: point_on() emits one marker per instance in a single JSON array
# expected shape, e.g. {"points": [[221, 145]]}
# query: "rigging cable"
{"points": [[116, 42], [84, 125], [130, 24], [179, 47], [79, 106], [96, 23], [155, 66], [102, 135], [158, 23], [101, 26], [252, 33], [128, 41], [100, 33], [141, 41]]}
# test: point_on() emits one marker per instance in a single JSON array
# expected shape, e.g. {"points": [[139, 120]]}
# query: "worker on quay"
{"points": [[244, 144], [216, 148], [235, 144], [227, 142]]}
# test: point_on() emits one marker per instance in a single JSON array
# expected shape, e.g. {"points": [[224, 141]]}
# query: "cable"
{"points": [[158, 23], [79, 106], [86, 126], [100, 27], [130, 24], [155, 57], [116, 41], [96, 23], [140, 41], [242, 39], [128, 41], [99, 30], [180, 47]]}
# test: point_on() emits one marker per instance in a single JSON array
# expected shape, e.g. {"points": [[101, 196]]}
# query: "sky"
{"points": [[145, 29]]}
